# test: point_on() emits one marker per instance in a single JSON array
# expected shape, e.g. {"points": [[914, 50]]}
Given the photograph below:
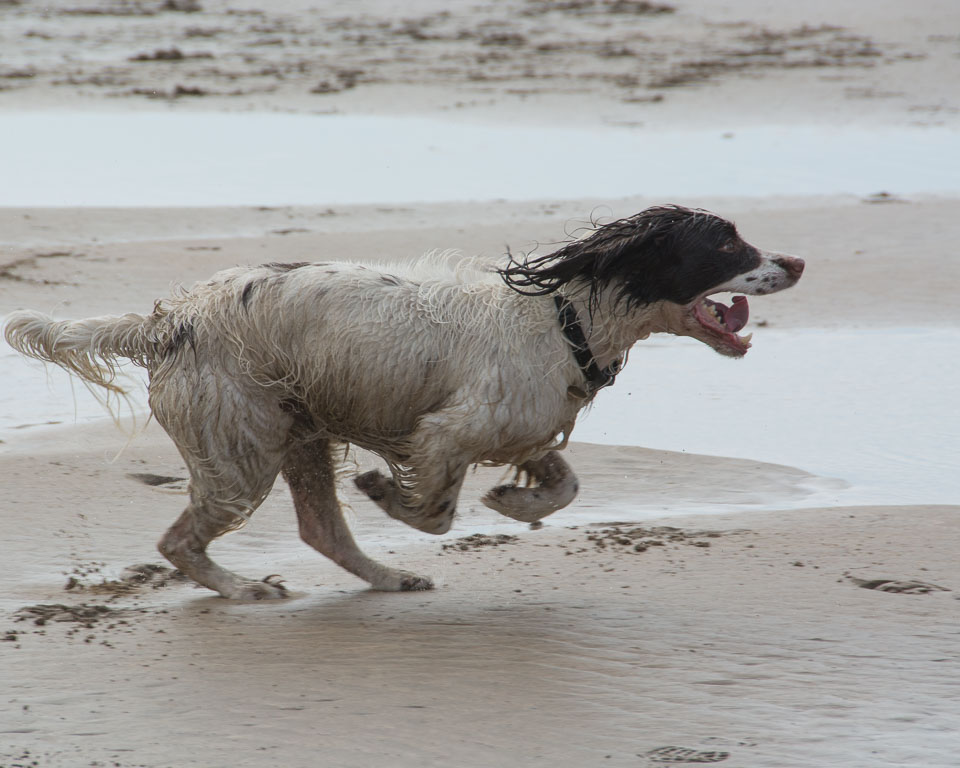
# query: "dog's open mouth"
{"points": [[723, 322]]}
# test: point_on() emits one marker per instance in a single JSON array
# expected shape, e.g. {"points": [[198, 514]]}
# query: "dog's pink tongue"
{"points": [[737, 315]]}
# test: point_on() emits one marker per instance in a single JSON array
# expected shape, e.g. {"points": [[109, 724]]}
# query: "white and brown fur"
{"points": [[268, 369]]}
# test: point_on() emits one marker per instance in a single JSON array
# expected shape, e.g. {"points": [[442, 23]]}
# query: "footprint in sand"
{"points": [[159, 481], [683, 755], [900, 587]]}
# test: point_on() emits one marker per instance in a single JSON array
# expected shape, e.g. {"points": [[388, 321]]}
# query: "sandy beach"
{"points": [[768, 586]]}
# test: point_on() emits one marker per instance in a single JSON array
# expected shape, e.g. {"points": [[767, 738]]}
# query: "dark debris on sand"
{"points": [[85, 616], [479, 541], [639, 539], [132, 579]]}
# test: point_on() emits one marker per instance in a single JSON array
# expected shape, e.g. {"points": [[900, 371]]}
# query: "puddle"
{"points": [[873, 408], [35, 395], [206, 159]]}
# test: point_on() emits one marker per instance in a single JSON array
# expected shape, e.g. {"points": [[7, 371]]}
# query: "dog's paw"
{"points": [[375, 484], [524, 504], [413, 583], [271, 588], [402, 581], [498, 498]]}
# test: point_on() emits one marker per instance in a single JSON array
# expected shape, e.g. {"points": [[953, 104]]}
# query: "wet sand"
{"points": [[741, 634], [748, 637], [626, 631]]}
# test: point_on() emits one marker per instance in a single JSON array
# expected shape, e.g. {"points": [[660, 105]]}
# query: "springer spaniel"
{"points": [[264, 370]]}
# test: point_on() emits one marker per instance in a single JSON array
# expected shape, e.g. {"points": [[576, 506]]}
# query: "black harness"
{"points": [[597, 377]]}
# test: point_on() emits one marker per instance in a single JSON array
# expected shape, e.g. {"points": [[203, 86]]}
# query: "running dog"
{"points": [[265, 370]]}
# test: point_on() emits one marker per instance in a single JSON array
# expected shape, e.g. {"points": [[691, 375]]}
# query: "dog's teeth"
{"points": [[746, 339]]}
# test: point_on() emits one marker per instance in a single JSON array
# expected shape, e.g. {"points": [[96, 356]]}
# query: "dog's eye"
{"points": [[729, 247]]}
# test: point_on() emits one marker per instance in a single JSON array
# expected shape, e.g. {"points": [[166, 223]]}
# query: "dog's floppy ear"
{"points": [[637, 255]]}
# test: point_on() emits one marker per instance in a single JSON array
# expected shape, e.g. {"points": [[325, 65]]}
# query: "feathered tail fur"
{"points": [[89, 348]]}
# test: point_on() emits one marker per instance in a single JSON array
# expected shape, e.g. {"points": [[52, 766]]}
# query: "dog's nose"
{"points": [[791, 265]]}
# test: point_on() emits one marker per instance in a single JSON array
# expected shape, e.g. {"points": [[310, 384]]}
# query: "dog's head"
{"points": [[669, 256]]}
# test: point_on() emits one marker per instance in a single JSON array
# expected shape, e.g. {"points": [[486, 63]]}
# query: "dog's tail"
{"points": [[89, 348]]}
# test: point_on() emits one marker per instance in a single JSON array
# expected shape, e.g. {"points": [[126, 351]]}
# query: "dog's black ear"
{"points": [[645, 258], [686, 253]]}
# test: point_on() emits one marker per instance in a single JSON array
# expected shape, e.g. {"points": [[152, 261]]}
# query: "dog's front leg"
{"points": [[423, 492], [556, 486], [425, 498]]}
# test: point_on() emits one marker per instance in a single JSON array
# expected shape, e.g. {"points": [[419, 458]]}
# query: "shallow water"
{"points": [[875, 409], [203, 159]]}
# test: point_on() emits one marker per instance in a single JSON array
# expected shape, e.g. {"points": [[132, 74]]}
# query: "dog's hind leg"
{"points": [[233, 444], [309, 472], [185, 545], [556, 486], [222, 498]]}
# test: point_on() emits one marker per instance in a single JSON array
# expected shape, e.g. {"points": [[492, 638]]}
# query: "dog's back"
{"points": [[345, 342]]}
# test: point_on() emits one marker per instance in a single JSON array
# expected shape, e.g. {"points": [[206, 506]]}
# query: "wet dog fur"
{"points": [[433, 367]]}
